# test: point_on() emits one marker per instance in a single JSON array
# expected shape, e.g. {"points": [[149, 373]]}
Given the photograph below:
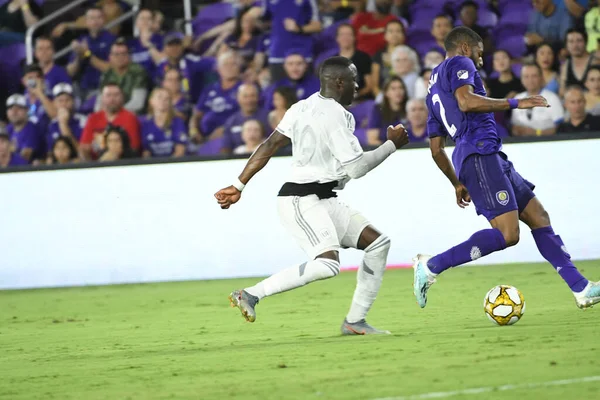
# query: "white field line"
{"points": [[503, 388]]}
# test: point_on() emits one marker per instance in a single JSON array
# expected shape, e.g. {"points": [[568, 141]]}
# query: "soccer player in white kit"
{"points": [[325, 156]]}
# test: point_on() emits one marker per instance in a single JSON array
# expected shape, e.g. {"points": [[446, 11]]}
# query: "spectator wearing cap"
{"points": [[346, 40], [253, 134], [117, 145], [181, 102], [146, 49], [547, 23], [128, 75], [218, 101], [506, 84], [63, 151], [7, 157], [24, 135], [592, 95], [67, 124], [578, 120], [40, 106], [53, 74], [391, 111], [440, 27], [370, 27], [539, 121], [292, 24], [193, 68], [469, 13], [88, 50], [163, 133], [394, 36], [416, 116], [248, 98], [112, 112], [283, 98], [299, 77]]}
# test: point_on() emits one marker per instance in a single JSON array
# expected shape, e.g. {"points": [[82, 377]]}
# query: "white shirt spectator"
{"points": [[539, 117]]}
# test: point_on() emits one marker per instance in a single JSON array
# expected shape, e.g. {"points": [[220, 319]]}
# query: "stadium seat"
{"points": [[361, 135], [325, 40], [211, 148], [212, 15], [12, 57]]}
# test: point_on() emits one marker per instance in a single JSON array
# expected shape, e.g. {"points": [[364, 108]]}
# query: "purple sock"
{"points": [[479, 245], [553, 249]]}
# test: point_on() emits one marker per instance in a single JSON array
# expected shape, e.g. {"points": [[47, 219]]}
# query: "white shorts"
{"points": [[320, 225]]}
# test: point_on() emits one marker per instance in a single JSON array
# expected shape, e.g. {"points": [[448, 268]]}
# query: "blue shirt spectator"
{"points": [[163, 133], [66, 124], [547, 23], [145, 49], [53, 74], [245, 38], [7, 157], [24, 135], [248, 99], [391, 111], [416, 116], [181, 102]]}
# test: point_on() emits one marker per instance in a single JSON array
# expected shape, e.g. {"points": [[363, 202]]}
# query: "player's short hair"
{"points": [[571, 88], [111, 84], [33, 68], [459, 35], [469, 3], [333, 68], [121, 42], [345, 25], [44, 38], [534, 65], [579, 31], [449, 18]]}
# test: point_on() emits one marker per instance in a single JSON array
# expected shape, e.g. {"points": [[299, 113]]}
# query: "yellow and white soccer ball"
{"points": [[504, 305]]}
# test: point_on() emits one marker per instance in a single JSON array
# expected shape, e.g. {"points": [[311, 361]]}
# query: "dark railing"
{"points": [[166, 160]]}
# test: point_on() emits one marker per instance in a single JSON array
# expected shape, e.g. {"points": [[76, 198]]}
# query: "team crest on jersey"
{"points": [[502, 197], [462, 74]]}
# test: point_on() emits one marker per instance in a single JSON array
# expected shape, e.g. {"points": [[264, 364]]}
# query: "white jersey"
{"points": [[323, 141]]}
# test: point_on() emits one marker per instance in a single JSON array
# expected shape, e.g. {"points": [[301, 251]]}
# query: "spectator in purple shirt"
{"points": [[283, 98], [253, 134], [292, 24], [67, 124], [299, 77], [193, 69], [416, 115], [391, 111], [24, 135], [218, 101], [53, 74], [245, 38], [93, 46], [248, 99], [181, 101], [7, 157], [39, 105], [440, 28], [146, 49], [163, 133], [63, 151]]}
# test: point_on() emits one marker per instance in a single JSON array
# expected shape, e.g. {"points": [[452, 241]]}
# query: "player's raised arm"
{"points": [[468, 101], [261, 156]]}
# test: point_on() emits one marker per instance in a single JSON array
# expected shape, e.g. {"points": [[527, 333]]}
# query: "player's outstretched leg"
{"points": [[368, 282], [505, 232], [324, 266], [553, 249]]}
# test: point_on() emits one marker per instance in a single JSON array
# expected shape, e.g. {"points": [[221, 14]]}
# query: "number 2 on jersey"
{"points": [[450, 128]]}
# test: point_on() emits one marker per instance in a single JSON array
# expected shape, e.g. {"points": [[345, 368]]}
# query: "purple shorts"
{"points": [[494, 185]]}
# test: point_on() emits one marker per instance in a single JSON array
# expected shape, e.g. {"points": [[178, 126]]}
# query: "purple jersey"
{"points": [[100, 47], [16, 161], [376, 121], [247, 50], [305, 88], [232, 135], [183, 106], [141, 55], [264, 42], [76, 124], [26, 138], [217, 105], [160, 142], [56, 75], [193, 69], [37, 114], [474, 133], [301, 11]]}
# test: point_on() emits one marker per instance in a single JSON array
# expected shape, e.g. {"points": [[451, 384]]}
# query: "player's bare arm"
{"points": [[468, 101], [231, 194], [438, 152]]}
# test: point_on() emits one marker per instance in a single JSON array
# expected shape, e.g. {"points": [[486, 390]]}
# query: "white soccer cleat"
{"points": [[424, 278], [588, 296]]}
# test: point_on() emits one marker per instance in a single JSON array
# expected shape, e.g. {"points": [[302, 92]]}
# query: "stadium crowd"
{"points": [[163, 94]]}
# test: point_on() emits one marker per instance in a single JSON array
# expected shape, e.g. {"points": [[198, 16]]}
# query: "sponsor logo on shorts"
{"points": [[462, 74], [502, 197]]}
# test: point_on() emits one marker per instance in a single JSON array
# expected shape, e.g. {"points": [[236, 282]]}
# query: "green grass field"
{"points": [[182, 341]]}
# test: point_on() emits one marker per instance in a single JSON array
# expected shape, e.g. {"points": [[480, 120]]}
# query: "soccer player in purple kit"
{"points": [[458, 107]]}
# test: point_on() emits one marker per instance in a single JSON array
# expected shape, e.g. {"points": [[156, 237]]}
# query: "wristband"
{"points": [[238, 185], [513, 103], [25, 7], [87, 53], [300, 30], [538, 132]]}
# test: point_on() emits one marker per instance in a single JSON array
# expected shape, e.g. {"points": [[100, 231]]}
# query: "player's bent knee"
{"points": [[380, 245], [327, 268], [511, 236]]}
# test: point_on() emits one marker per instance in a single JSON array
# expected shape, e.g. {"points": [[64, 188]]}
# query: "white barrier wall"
{"points": [[161, 222]]}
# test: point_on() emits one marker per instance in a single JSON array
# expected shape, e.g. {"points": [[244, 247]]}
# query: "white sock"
{"points": [[369, 278], [296, 276]]}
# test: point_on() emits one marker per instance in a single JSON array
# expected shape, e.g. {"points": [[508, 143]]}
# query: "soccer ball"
{"points": [[504, 305]]}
